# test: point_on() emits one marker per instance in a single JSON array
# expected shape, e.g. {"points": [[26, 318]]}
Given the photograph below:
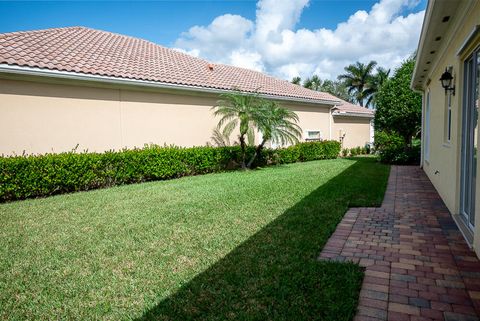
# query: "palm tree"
{"points": [[382, 75], [357, 78], [375, 84], [296, 80], [278, 125], [244, 111], [313, 83]]}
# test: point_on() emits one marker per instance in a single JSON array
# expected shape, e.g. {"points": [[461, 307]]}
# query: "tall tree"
{"points": [[357, 78], [336, 88], [313, 83], [296, 80], [376, 84], [399, 108]]}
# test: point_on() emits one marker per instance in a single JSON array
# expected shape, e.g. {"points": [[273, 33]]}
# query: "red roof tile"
{"points": [[95, 52]]}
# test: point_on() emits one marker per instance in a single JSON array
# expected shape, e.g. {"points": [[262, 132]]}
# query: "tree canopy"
{"points": [[359, 84], [358, 78], [399, 108], [334, 87]]}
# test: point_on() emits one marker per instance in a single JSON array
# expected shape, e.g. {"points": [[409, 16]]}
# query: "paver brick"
{"points": [[380, 314], [403, 308], [396, 316], [417, 264]]}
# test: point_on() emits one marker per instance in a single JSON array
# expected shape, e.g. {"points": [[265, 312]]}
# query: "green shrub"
{"points": [[345, 152], [393, 149], [288, 155], [368, 149], [318, 150], [43, 175]]}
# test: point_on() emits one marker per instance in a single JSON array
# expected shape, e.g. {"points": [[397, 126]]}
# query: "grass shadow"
{"points": [[275, 274]]}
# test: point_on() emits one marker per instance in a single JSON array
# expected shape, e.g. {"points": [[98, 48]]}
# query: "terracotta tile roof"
{"points": [[95, 52], [349, 108]]}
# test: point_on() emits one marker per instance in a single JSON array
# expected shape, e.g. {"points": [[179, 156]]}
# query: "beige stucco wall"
{"points": [[443, 165], [356, 131], [38, 117], [312, 118]]}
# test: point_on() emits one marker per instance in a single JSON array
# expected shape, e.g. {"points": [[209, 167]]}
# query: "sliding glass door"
{"points": [[470, 137]]}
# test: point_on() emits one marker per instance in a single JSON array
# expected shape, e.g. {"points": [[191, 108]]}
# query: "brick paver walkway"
{"points": [[417, 264]]}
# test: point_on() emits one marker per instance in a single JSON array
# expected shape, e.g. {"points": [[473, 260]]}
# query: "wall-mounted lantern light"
{"points": [[446, 81]]}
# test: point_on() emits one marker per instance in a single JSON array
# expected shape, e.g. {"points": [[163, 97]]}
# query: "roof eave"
{"points": [[435, 37], [40, 72], [421, 43], [350, 114]]}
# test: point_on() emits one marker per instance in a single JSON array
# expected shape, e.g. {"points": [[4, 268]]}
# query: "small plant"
{"points": [[368, 149], [345, 152]]}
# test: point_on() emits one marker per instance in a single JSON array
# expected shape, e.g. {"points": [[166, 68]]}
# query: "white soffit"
{"points": [[439, 18]]}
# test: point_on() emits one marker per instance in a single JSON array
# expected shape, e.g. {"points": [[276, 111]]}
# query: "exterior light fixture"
{"points": [[446, 81]]}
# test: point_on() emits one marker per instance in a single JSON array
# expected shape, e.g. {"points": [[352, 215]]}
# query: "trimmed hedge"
{"points": [[309, 151], [43, 175]]}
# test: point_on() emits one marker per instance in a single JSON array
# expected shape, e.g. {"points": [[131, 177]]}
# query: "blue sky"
{"points": [[158, 21], [169, 22]]}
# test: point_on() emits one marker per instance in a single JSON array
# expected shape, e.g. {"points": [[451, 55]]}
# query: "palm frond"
{"points": [[220, 139]]}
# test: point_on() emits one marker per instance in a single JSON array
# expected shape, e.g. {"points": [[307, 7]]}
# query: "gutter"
{"points": [[347, 114], [33, 71]]}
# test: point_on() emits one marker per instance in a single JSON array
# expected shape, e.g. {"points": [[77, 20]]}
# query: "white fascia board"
{"points": [[349, 114], [31, 71]]}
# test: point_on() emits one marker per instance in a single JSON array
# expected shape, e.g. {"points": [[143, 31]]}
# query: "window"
{"points": [[426, 135], [313, 135]]}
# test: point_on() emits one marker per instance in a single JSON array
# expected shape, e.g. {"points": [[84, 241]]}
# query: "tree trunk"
{"points": [[243, 147], [258, 150]]}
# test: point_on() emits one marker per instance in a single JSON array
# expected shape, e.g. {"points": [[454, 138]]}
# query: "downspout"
{"points": [[330, 119], [422, 125], [422, 131]]}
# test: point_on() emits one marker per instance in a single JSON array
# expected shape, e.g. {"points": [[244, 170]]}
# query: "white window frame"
{"points": [[307, 135]]}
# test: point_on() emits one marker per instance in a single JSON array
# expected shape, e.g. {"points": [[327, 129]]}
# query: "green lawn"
{"points": [[237, 245]]}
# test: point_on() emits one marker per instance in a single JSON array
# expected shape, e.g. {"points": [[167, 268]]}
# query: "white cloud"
{"points": [[218, 40], [272, 43], [247, 59]]}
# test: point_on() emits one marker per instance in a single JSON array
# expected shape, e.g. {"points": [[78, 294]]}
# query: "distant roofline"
{"points": [[42, 72]]}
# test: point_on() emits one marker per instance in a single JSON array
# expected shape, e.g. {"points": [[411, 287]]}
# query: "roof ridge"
{"points": [[41, 30]]}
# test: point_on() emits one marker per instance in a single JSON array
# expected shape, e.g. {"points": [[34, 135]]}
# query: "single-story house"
{"points": [[64, 87], [447, 73]]}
